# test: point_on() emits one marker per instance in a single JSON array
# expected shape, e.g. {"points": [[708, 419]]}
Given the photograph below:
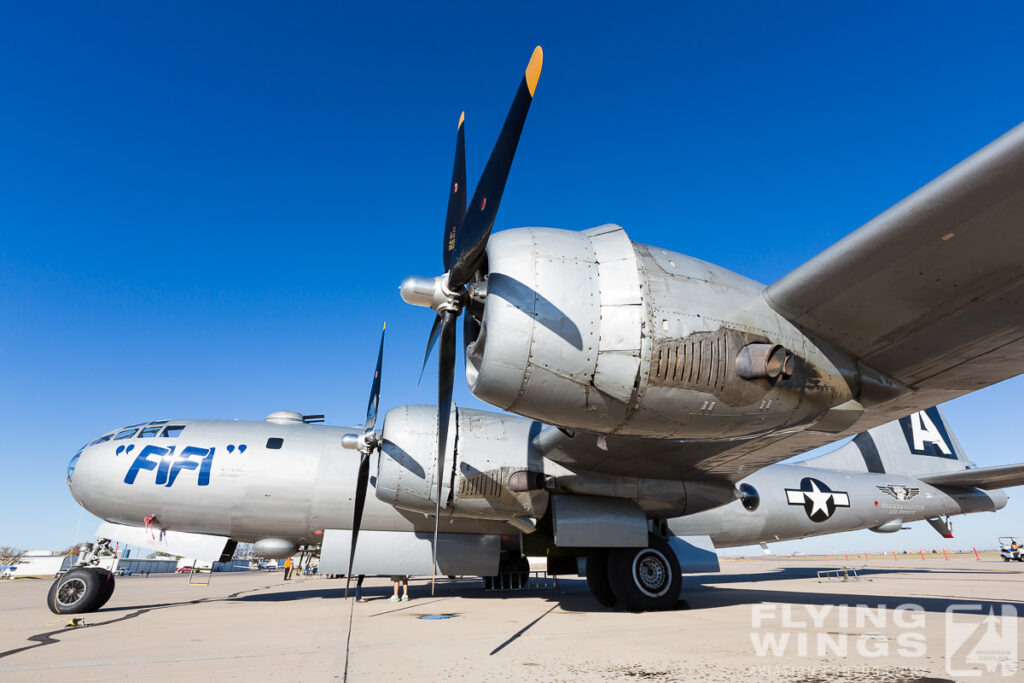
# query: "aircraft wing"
{"points": [[931, 292], [983, 478]]}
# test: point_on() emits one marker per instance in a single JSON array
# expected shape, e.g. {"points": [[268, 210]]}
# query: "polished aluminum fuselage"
{"points": [[255, 492], [307, 485]]}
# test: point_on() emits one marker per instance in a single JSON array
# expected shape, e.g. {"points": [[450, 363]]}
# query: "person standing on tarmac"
{"points": [[403, 581], [287, 568]]}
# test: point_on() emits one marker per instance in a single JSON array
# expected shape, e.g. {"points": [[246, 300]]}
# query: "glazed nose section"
{"points": [[71, 472]]}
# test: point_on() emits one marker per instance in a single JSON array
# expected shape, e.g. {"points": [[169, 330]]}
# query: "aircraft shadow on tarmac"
{"points": [[705, 591], [811, 572], [700, 592]]}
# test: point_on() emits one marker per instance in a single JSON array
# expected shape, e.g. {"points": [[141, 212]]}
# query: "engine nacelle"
{"points": [[589, 330], [484, 451]]}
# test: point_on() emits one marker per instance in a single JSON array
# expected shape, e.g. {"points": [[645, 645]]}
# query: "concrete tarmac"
{"points": [[904, 620]]}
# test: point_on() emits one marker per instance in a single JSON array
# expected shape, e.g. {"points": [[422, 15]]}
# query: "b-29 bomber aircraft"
{"points": [[655, 397]]}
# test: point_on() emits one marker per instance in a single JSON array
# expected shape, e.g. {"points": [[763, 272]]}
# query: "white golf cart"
{"points": [[1011, 549]]}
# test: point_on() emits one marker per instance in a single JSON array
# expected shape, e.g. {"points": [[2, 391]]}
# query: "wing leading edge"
{"points": [[931, 292]]}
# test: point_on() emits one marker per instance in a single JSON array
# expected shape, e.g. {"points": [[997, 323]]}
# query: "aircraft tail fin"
{"points": [[918, 444]]}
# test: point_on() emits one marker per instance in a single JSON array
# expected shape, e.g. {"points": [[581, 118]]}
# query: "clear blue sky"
{"points": [[206, 208]]}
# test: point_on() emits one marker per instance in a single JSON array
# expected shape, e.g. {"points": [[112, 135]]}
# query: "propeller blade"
{"points": [[456, 196], [445, 382], [471, 238], [362, 479], [435, 331], [371, 407]]}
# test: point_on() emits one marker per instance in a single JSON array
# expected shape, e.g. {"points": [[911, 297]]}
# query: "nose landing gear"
{"points": [[85, 588]]}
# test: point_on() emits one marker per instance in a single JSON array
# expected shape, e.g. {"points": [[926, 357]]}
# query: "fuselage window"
{"points": [[275, 442], [172, 430], [148, 432], [126, 434], [749, 497]]}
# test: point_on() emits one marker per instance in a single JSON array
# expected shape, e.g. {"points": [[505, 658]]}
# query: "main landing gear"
{"points": [[642, 579], [86, 587]]}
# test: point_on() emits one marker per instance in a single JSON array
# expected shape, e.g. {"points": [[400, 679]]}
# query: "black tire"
{"points": [[80, 590], [645, 579], [597, 577], [108, 586]]}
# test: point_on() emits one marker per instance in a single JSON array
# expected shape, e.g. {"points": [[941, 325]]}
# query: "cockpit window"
{"points": [[125, 434], [157, 422], [149, 431], [71, 465], [105, 437], [172, 430]]}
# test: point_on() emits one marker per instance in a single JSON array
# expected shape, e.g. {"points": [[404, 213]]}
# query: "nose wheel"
{"points": [[81, 590]]}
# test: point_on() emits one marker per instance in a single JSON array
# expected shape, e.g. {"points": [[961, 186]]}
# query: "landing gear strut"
{"points": [[642, 579], [86, 587]]}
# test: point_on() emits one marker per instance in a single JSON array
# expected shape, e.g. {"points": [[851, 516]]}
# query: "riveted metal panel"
{"points": [[616, 374], [609, 244], [407, 469], [620, 283], [566, 305], [602, 229], [696, 554], [498, 360], [605, 412], [680, 265], [621, 313], [410, 553], [490, 449], [617, 267], [552, 395], [597, 522], [620, 328]]}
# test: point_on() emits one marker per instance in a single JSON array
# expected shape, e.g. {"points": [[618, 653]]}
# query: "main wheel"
{"points": [[597, 577], [645, 578], [80, 590]]}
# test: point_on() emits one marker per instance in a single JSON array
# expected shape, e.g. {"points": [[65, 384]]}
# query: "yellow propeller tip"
{"points": [[462, 119], [533, 69]]}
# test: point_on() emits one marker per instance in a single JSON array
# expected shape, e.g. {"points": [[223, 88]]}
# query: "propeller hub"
{"points": [[364, 443], [430, 292]]}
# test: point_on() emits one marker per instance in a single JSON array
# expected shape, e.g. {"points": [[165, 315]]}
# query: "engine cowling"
{"points": [[484, 451], [589, 330]]}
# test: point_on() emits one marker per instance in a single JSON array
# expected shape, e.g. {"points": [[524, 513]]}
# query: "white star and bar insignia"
{"points": [[819, 501]]}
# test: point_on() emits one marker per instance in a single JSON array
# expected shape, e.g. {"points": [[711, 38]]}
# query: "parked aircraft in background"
{"points": [[655, 395]]}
